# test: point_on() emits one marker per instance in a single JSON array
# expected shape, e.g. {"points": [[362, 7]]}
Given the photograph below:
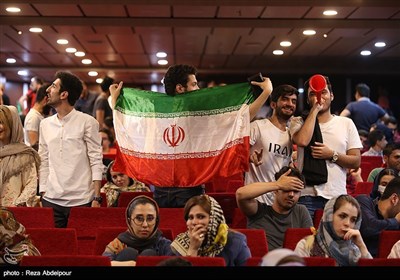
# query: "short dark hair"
{"points": [[70, 83], [363, 89], [328, 82], [293, 173], [106, 83], [41, 93], [177, 74], [375, 136], [283, 90]]}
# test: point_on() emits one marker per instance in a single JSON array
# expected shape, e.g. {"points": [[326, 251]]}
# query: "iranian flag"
{"points": [[185, 140]]}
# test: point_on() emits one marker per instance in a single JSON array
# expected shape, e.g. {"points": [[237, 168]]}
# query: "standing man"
{"points": [[70, 151], [340, 149], [178, 80], [271, 144]]}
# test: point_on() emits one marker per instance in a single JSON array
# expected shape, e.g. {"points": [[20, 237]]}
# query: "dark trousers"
{"points": [[172, 197], [61, 213]]}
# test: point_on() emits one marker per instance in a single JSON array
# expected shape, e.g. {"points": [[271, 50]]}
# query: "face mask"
{"points": [[381, 189]]}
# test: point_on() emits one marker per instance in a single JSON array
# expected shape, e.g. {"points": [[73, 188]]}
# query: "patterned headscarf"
{"points": [[216, 236], [14, 242], [345, 252]]}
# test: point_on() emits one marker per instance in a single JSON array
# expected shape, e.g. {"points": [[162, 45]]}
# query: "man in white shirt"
{"points": [[70, 151]]}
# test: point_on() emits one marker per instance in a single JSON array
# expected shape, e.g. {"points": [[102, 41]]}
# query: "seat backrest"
{"points": [[126, 197], [293, 236], [239, 220], [196, 261], [319, 261], [318, 213], [173, 218], [363, 188], [256, 240], [366, 168], [54, 241], [65, 260], [227, 202], [105, 235], [387, 238], [379, 262], [375, 161], [34, 217], [253, 261]]}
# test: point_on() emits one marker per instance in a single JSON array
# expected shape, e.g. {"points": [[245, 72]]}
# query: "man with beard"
{"points": [[283, 214], [271, 144], [340, 148]]}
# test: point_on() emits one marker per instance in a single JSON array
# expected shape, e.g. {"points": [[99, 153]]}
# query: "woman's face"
{"points": [[119, 179], [383, 182], [197, 216], [143, 220], [344, 219]]}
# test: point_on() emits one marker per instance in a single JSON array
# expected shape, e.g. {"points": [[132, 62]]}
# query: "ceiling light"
{"points": [[325, 35], [309, 32], [99, 80], [70, 50], [23, 73], [62, 41], [35, 29], [277, 52], [19, 32], [86, 61], [80, 54], [13, 9], [330, 13], [380, 44], [365, 52], [161, 54], [162, 62], [285, 44], [93, 73], [11, 60]]}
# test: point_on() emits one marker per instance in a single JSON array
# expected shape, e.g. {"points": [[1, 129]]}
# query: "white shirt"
{"points": [[32, 123], [277, 152], [71, 158]]}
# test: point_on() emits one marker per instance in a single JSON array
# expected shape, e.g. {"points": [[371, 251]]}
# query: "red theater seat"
{"points": [[387, 239], [363, 188], [379, 262], [173, 218], [293, 236], [54, 241], [256, 240], [196, 261], [319, 261], [65, 260], [34, 217], [126, 197]]}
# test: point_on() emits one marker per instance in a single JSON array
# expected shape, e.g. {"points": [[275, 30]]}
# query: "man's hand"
{"points": [[256, 157]]}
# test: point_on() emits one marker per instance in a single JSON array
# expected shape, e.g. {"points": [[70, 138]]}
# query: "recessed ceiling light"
{"points": [[99, 80], [80, 54], [309, 32], [11, 60], [86, 61], [19, 32], [62, 41], [285, 44], [161, 54], [330, 13], [23, 73], [277, 52], [70, 50], [325, 35], [35, 29], [93, 73], [162, 62], [365, 52], [380, 44], [13, 9]]}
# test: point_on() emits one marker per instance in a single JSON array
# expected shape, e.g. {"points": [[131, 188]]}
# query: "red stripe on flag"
{"points": [[185, 172]]}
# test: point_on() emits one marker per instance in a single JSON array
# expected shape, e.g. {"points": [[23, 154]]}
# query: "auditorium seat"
{"points": [[86, 221], [227, 202], [126, 197], [65, 260], [256, 241], [196, 261], [319, 261], [239, 220], [253, 261], [105, 235], [363, 188], [318, 213], [375, 161], [379, 262], [173, 218], [54, 241], [387, 239], [34, 217], [293, 236], [366, 168]]}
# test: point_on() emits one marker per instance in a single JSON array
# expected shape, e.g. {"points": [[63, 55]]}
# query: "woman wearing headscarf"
{"points": [[338, 234], [381, 180], [19, 163], [208, 234], [142, 236]]}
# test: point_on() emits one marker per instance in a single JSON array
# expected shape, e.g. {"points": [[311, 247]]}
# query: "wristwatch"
{"points": [[335, 156], [99, 199]]}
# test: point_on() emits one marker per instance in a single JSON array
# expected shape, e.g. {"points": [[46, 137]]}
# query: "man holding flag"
{"points": [[177, 144]]}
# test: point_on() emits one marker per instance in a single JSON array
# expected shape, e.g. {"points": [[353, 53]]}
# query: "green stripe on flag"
{"points": [[207, 101]]}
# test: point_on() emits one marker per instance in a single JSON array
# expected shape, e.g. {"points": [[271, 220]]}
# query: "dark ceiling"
{"points": [[218, 37]]}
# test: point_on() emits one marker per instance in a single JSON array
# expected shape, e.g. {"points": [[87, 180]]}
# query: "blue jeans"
{"points": [[313, 203], [173, 197]]}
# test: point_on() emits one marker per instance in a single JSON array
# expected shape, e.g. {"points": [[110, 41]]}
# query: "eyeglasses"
{"points": [[139, 220]]}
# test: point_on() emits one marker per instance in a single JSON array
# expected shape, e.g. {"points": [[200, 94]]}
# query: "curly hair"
{"points": [[177, 74]]}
